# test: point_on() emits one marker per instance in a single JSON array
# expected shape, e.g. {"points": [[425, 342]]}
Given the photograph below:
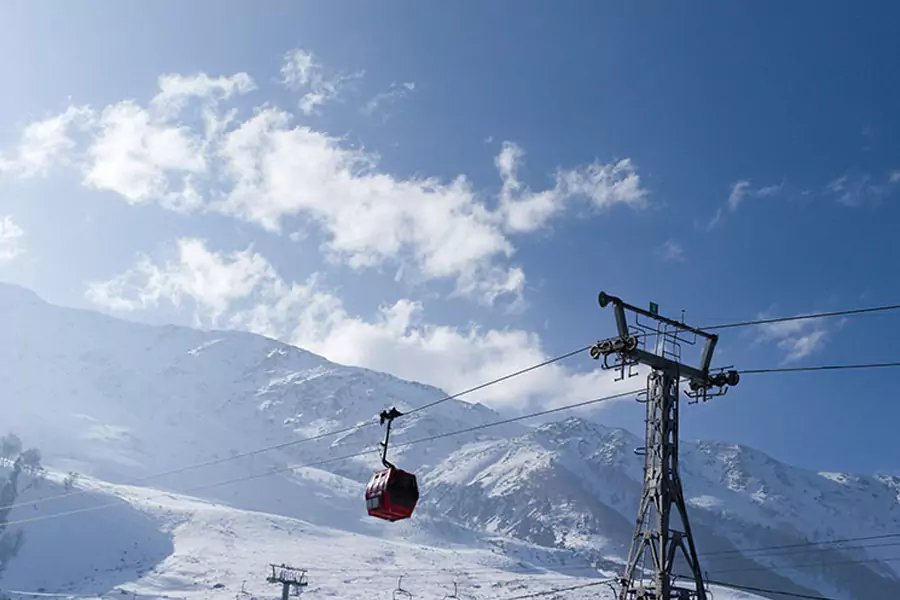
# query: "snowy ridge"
{"points": [[119, 401]]}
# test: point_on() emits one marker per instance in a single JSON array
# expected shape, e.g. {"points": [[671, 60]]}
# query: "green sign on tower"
{"points": [[654, 308]]}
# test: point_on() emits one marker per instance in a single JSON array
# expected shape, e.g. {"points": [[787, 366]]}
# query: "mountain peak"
{"points": [[15, 294]]}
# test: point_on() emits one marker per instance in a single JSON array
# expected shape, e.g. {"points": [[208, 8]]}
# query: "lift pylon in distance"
{"points": [[290, 578], [392, 493], [661, 535]]}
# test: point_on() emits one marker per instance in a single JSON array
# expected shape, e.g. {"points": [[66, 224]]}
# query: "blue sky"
{"points": [[440, 190]]}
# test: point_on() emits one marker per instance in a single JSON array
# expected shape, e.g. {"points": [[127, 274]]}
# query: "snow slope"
{"points": [[197, 549], [121, 401]]}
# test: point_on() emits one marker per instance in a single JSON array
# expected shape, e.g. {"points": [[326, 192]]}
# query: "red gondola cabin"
{"points": [[392, 494]]}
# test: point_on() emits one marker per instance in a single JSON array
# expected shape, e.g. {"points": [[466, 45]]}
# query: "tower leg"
{"points": [[654, 535]]}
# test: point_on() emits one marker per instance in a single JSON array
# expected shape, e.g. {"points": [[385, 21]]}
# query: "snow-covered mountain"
{"points": [[120, 402]]}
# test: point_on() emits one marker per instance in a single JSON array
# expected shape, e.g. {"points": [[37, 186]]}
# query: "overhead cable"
{"points": [[280, 446], [821, 315], [479, 387], [804, 544], [809, 550], [501, 379], [812, 565], [558, 590], [820, 368], [748, 588], [345, 457]]}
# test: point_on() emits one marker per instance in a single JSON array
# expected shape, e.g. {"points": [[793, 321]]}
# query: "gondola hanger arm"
{"points": [[388, 416]]}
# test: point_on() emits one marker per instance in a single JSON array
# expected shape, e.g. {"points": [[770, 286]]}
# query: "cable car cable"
{"points": [[257, 451], [224, 459], [476, 388], [747, 554], [821, 315], [804, 317], [811, 565], [558, 590], [748, 588], [819, 368], [501, 379], [809, 550], [346, 457], [804, 544], [739, 553]]}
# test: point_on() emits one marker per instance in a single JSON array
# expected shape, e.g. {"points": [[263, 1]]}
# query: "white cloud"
{"points": [[175, 90], [740, 192], [142, 155], [715, 220], [847, 192], [10, 240], [301, 71], [523, 211], [277, 172], [857, 190], [267, 170], [43, 143], [672, 251], [769, 190], [242, 290], [797, 339], [211, 280], [143, 159], [603, 184], [395, 93], [607, 184]]}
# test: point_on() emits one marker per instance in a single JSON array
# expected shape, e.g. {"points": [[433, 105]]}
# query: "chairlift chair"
{"points": [[452, 596], [400, 592]]}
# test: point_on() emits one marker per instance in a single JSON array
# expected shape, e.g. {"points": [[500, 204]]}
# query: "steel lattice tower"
{"points": [[658, 538]]}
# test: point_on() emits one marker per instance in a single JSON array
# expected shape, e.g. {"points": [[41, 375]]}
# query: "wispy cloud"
{"points": [[672, 251], [45, 142], [742, 191], [861, 189], [849, 192], [796, 339], [10, 240], [302, 72], [738, 193], [176, 90], [394, 94], [603, 185]]}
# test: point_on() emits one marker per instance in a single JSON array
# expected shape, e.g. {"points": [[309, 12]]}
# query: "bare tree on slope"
{"points": [[27, 462]]}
